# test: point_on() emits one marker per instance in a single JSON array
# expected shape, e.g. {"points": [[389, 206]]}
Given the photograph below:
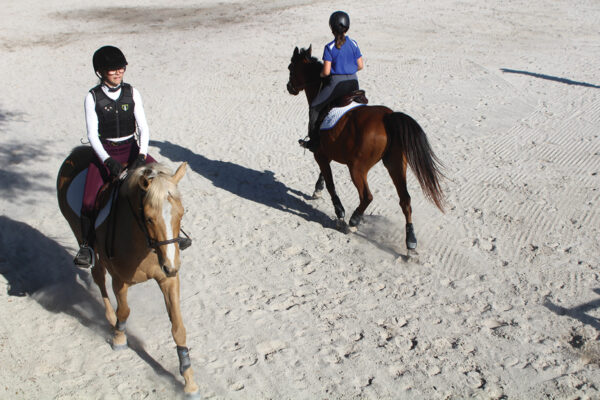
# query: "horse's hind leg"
{"points": [[328, 176], [396, 166], [359, 177], [99, 275], [119, 338], [170, 289]]}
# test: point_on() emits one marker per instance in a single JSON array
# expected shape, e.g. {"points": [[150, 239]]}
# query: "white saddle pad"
{"points": [[75, 198], [336, 113]]}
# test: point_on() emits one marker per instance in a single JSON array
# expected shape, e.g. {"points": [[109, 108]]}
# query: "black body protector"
{"points": [[115, 117]]}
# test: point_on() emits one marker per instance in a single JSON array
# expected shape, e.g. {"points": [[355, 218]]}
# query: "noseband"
{"points": [[151, 242]]}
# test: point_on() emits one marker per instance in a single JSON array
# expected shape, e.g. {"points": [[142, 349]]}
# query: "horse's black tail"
{"points": [[404, 133]]}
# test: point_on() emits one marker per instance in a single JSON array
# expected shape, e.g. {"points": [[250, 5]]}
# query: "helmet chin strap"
{"points": [[110, 88], [113, 89]]}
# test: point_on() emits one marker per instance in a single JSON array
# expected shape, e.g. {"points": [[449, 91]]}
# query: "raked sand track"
{"points": [[502, 299]]}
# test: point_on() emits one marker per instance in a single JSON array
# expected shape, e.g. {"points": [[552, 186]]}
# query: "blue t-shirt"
{"points": [[343, 60]]}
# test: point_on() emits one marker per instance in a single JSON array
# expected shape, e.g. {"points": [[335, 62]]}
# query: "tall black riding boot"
{"points": [[85, 255], [313, 131]]}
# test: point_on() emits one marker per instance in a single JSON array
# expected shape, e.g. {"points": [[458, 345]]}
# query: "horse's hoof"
{"points": [[193, 395], [411, 245], [352, 229], [119, 347], [317, 195], [340, 224]]}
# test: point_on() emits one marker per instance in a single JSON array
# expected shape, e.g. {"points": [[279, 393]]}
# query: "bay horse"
{"points": [[138, 241], [362, 137]]}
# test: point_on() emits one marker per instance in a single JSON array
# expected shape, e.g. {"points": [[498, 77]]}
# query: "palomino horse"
{"points": [[362, 137], [137, 241]]}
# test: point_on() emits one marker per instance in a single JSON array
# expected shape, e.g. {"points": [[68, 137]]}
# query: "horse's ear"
{"points": [[296, 52], [309, 51], [144, 183], [179, 173]]}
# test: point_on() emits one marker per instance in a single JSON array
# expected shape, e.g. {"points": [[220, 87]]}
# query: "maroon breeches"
{"points": [[98, 174]]}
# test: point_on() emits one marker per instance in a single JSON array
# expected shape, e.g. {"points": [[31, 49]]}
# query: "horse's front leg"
{"points": [[170, 289], [319, 186], [328, 176], [99, 275], [119, 340]]}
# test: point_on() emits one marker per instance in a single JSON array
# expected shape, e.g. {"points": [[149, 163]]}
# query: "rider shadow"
{"points": [[579, 312], [257, 186], [48, 276]]}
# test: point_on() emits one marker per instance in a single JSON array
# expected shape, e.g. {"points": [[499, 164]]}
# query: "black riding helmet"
{"points": [[108, 58], [339, 22]]}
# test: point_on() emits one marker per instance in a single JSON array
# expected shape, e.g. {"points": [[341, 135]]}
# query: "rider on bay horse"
{"points": [[341, 60], [113, 110]]}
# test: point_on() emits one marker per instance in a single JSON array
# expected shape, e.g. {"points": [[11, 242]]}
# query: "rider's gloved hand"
{"points": [[114, 167], [138, 162]]}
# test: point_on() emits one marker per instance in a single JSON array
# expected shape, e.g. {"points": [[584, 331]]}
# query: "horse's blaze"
{"points": [[167, 212]]}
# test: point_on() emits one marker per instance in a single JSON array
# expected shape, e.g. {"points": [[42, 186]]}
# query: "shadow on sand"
{"points": [[550, 78], [263, 188], [384, 234], [13, 181], [37, 266], [260, 187], [579, 312]]}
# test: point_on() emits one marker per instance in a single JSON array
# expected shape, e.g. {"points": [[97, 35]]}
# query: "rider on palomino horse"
{"points": [[113, 110], [341, 60]]}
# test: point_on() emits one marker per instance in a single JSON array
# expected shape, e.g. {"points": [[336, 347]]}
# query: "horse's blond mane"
{"points": [[161, 184]]}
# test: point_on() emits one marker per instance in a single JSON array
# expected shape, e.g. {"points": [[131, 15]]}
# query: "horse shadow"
{"points": [[259, 187], [579, 312], [37, 266]]}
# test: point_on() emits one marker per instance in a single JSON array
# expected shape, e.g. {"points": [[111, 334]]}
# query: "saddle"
{"points": [[357, 96]]}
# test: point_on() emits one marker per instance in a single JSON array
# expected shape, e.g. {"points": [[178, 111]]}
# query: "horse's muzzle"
{"points": [[291, 89]]}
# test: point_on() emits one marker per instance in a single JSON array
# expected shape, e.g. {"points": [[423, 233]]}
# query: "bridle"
{"points": [[151, 242]]}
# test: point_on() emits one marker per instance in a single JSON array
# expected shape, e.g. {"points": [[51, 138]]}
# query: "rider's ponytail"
{"points": [[340, 39]]}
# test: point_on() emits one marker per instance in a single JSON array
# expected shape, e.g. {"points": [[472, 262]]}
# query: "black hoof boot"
{"points": [[320, 185], [355, 220], [340, 213], [411, 239]]}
